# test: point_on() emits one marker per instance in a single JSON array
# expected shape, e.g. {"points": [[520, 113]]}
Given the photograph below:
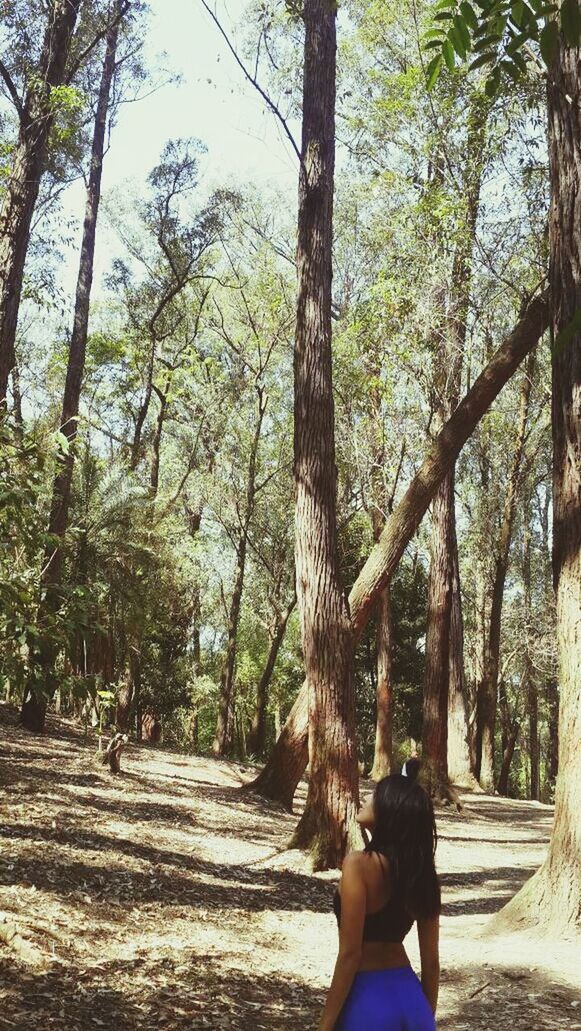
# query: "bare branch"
{"points": [[96, 39], [253, 81], [11, 89]]}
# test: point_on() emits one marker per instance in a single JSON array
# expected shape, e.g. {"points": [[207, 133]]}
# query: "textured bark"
{"points": [[383, 754], [403, 523], [279, 777], [552, 898], [435, 710], [460, 769], [488, 693], [19, 201], [128, 696], [552, 694], [136, 448], [327, 827], [225, 722], [529, 685], [156, 445], [255, 742], [442, 582], [382, 504], [33, 711], [509, 737]]}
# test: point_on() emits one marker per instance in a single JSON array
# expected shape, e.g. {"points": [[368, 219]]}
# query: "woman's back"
{"points": [[386, 918]]}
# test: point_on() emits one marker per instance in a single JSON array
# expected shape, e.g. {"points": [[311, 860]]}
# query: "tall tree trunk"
{"points": [[327, 826], [36, 116], [156, 446], [225, 722], [128, 697], [444, 578], [287, 762], [552, 694], [383, 753], [530, 687], [488, 694], [510, 729], [382, 504], [257, 733], [435, 710], [552, 897], [460, 769], [144, 406], [34, 707]]}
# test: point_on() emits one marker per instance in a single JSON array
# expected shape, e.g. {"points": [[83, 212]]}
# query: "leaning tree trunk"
{"points": [[36, 115], [286, 765], [33, 709], [552, 897], [327, 826], [488, 693]]}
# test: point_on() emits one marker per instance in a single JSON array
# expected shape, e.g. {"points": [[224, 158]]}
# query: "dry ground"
{"points": [[163, 899]]}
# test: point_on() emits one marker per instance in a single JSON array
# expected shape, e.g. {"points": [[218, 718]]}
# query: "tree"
{"points": [[45, 87], [488, 690], [553, 895], [32, 714], [285, 766], [327, 825]]}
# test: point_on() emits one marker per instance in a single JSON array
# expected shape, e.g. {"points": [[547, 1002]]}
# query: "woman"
{"points": [[384, 889]]}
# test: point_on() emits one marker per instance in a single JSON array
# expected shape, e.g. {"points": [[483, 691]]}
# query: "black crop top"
{"points": [[391, 923]]}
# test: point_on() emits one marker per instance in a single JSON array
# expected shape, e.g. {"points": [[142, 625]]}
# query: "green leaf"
{"points": [[462, 30], [432, 71], [516, 43], [520, 62], [434, 43], [516, 12], [443, 16], [488, 41], [549, 41], [448, 52], [571, 21], [492, 83], [470, 16], [511, 69], [486, 58], [457, 42]]}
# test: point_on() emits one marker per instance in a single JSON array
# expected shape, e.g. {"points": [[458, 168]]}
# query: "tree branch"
{"points": [[11, 88], [97, 39], [254, 82]]}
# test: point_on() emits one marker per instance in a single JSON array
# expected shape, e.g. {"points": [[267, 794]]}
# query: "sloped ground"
{"points": [[163, 899]]}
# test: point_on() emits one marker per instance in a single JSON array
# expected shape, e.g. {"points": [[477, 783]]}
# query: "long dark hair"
{"points": [[405, 832]]}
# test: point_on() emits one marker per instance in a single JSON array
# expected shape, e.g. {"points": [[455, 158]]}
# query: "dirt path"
{"points": [[161, 899]]}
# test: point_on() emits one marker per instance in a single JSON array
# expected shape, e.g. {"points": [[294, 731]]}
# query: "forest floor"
{"points": [[162, 898]]}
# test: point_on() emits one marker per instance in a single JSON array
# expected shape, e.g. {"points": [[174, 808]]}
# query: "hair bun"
{"points": [[411, 768]]}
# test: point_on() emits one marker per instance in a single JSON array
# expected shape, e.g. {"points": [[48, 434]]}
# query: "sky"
{"points": [[213, 103]]}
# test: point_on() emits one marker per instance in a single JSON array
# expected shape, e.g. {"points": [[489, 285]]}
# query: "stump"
{"points": [[112, 753], [151, 728]]}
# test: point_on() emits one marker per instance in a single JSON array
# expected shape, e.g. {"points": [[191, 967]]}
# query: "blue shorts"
{"points": [[386, 1000]]}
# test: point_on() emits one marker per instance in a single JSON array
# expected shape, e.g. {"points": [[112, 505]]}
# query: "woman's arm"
{"points": [[353, 899], [428, 937]]}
